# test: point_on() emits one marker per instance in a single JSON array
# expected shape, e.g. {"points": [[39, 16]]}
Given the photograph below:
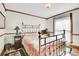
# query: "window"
{"points": [[63, 24]]}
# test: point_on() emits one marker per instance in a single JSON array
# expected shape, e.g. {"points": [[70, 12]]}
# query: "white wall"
{"points": [[4, 13], [49, 24], [2, 31], [1, 44], [15, 19]]}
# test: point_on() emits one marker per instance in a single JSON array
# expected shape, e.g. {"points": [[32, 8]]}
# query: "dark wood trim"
{"points": [[4, 20], [76, 34], [38, 16], [6, 34], [12, 33], [71, 20], [53, 25], [46, 18], [13, 51], [63, 12], [25, 13], [2, 35], [4, 6], [15, 33], [6, 9], [39, 41], [2, 14]]}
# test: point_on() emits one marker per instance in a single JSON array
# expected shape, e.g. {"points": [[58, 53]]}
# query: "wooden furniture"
{"points": [[17, 52], [75, 49], [17, 41], [8, 47], [9, 50]]}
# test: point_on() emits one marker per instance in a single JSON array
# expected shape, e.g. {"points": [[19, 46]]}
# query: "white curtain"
{"points": [[63, 24]]}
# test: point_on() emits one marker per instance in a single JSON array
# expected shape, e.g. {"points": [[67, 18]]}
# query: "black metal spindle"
{"points": [[49, 49], [59, 46], [39, 42], [53, 48], [56, 44], [64, 38], [45, 45]]}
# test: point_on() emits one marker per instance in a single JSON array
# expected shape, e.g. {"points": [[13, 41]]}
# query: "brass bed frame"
{"points": [[60, 47], [60, 40]]}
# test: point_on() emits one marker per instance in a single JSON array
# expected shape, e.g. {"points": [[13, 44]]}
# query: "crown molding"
{"points": [[6, 9], [4, 20], [4, 6], [25, 13], [63, 12], [46, 18]]}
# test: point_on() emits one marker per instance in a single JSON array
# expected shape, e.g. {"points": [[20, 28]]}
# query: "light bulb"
{"points": [[48, 5]]}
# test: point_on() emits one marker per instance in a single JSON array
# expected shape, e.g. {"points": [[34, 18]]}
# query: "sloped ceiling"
{"points": [[39, 8]]}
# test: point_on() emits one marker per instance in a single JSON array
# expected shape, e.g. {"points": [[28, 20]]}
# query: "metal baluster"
{"points": [[49, 49], [64, 43], [53, 48], [63, 47], [61, 44], [45, 45], [39, 42], [56, 44], [59, 47]]}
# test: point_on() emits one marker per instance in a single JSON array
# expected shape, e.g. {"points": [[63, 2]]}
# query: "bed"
{"points": [[36, 45]]}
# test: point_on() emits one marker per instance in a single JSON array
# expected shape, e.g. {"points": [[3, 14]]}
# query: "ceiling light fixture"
{"points": [[48, 5]]}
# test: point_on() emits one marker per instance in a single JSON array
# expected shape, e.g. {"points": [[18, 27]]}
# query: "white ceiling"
{"points": [[39, 8]]}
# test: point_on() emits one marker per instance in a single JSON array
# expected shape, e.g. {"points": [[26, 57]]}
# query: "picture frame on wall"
{"points": [[2, 20]]}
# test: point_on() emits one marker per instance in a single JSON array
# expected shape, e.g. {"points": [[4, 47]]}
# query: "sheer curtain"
{"points": [[63, 24]]}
